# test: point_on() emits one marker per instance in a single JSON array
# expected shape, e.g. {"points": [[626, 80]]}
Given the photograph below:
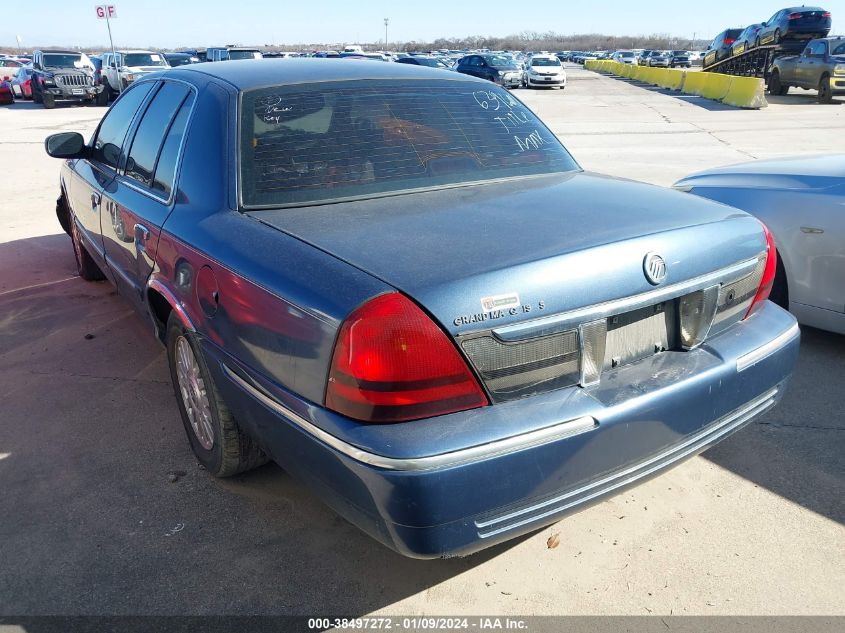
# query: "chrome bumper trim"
{"points": [[751, 358], [443, 460], [696, 443]]}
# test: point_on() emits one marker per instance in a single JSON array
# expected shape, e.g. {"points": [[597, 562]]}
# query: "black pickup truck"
{"points": [[821, 66]]}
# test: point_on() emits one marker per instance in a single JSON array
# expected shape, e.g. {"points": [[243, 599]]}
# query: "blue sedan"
{"points": [[395, 282]]}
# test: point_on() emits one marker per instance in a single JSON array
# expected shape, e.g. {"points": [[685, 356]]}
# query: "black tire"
{"points": [[780, 288], [825, 93], [36, 94], [757, 42], [49, 101], [232, 451], [775, 86], [777, 37], [85, 264], [102, 98], [62, 213]]}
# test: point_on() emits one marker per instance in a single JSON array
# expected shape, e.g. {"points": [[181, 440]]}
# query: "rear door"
{"points": [[140, 198], [93, 175]]}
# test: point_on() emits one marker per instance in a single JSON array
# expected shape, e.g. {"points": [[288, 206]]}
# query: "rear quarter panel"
{"points": [[268, 301]]}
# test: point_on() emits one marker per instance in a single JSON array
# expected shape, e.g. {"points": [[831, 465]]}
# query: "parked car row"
{"points": [[57, 75], [791, 28], [665, 59]]}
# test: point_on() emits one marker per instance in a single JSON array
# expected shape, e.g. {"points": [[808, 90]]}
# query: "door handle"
{"points": [[95, 201], [142, 234]]}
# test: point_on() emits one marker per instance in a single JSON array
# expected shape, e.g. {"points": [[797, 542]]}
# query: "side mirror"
{"points": [[65, 145]]}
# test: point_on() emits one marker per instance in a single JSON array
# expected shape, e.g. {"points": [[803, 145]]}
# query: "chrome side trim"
{"points": [[442, 460], [571, 319], [174, 302], [751, 358], [661, 461]]}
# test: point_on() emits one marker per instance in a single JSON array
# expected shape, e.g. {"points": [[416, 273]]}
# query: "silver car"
{"points": [[659, 59], [802, 201]]}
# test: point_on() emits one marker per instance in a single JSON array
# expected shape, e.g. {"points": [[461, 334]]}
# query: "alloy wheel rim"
{"points": [[194, 393]]}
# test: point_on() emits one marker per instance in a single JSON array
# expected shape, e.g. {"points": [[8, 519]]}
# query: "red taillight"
{"points": [[826, 14], [768, 278], [796, 16], [392, 363], [729, 41]]}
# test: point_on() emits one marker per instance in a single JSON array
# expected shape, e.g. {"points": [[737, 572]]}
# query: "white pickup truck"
{"points": [[123, 67]]}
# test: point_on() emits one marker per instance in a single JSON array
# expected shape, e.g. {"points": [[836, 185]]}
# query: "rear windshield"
{"points": [[626, 54], [317, 143], [545, 61]]}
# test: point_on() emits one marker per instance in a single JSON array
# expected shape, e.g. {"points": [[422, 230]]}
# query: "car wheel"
{"points": [[49, 101], [777, 37], [85, 264], [102, 98], [780, 288], [36, 96], [825, 93], [757, 42], [775, 86], [219, 445], [62, 213]]}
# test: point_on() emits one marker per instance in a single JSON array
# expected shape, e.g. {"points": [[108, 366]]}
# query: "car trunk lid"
{"points": [[513, 270]]}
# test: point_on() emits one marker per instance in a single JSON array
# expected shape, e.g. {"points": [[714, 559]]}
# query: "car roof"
{"points": [[802, 8], [133, 50], [256, 73], [61, 50]]}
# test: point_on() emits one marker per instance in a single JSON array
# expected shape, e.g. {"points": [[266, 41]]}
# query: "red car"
{"points": [[6, 95], [22, 83]]}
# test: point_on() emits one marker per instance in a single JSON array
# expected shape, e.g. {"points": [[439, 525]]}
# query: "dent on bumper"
{"points": [[645, 418]]}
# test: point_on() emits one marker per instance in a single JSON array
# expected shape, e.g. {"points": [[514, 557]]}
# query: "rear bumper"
{"points": [[585, 445]]}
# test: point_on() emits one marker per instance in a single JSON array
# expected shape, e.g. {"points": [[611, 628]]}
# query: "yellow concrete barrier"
{"points": [[740, 92], [671, 79], [746, 92], [694, 83], [716, 86]]}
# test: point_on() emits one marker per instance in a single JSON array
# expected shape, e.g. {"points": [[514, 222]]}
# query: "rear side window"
{"points": [[165, 172], [151, 131], [116, 123], [317, 143]]}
